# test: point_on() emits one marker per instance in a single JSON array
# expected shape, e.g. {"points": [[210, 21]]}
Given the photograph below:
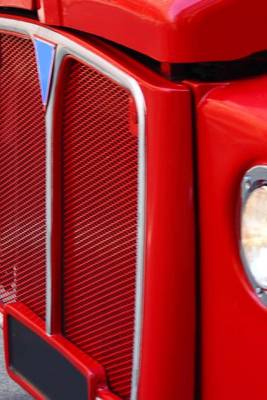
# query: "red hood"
{"points": [[166, 30]]}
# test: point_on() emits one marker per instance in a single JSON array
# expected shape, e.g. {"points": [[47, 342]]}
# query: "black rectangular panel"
{"points": [[43, 366]]}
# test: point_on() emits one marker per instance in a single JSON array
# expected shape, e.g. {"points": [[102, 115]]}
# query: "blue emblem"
{"points": [[45, 54]]}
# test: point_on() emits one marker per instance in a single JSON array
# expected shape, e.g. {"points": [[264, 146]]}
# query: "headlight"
{"points": [[254, 228]]}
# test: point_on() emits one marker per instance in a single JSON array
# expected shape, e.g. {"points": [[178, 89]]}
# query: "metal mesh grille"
{"points": [[100, 221], [22, 176]]}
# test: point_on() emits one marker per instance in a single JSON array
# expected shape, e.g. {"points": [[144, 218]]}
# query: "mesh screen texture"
{"points": [[22, 176], [100, 221]]}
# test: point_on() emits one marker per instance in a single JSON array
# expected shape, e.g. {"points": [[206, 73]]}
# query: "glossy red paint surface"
{"points": [[25, 4], [171, 30], [232, 137], [168, 343], [168, 328], [103, 394]]}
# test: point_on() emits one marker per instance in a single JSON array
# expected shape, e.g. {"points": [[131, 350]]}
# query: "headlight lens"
{"points": [[254, 233]]}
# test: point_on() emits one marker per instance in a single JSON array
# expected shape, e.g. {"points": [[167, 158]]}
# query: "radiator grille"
{"points": [[100, 221], [22, 176]]}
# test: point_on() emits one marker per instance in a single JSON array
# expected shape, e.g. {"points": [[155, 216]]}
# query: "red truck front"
{"points": [[133, 200]]}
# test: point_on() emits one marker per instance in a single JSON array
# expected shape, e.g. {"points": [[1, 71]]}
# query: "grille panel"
{"points": [[22, 176], [100, 221]]}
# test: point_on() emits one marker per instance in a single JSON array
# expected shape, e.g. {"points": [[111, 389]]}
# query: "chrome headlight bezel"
{"points": [[254, 179]]}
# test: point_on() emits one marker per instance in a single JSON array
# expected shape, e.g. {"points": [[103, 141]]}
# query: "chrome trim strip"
{"points": [[49, 205], [66, 46], [254, 178]]}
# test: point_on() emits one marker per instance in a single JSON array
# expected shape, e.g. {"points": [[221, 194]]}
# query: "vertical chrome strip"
{"points": [[48, 196], [140, 242], [65, 46], [49, 205]]}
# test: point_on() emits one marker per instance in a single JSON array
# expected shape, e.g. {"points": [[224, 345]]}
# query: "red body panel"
{"points": [[174, 30], [169, 288], [25, 4], [232, 137]]}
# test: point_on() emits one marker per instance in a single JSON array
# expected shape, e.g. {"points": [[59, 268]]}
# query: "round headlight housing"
{"points": [[254, 228]]}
